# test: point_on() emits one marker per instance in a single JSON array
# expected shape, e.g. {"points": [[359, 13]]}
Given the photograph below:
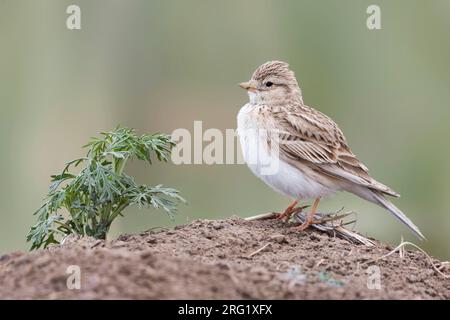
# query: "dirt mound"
{"points": [[230, 259]]}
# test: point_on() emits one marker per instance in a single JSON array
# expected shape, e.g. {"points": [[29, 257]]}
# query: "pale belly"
{"points": [[266, 165]]}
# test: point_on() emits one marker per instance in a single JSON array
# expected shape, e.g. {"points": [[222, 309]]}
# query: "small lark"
{"points": [[314, 159]]}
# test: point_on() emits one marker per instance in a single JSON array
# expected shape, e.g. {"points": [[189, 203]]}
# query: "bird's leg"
{"points": [[309, 217], [286, 215]]}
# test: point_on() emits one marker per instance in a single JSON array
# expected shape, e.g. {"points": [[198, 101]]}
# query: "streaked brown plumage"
{"points": [[308, 141]]}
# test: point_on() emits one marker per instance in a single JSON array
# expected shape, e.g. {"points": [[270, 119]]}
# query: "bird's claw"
{"points": [[287, 214]]}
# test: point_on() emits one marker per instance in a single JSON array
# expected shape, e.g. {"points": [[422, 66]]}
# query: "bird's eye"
{"points": [[269, 84]]}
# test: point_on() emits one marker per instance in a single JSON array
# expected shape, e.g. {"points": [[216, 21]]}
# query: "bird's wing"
{"points": [[310, 136]]}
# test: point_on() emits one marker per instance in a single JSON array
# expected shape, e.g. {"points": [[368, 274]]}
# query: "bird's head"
{"points": [[272, 83]]}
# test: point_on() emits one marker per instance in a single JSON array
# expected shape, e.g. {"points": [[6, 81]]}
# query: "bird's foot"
{"points": [[301, 227], [287, 212], [309, 217], [305, 225], [290, 211], [285, 216]]}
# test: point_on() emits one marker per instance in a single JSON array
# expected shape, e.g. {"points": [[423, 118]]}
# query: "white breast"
{"points": [[266, 165]]}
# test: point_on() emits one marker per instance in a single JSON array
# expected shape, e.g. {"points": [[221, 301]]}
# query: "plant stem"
{"points": [[119, 165]]}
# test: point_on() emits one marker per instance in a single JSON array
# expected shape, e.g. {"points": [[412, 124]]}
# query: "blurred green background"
{"points": [[160, 65]]}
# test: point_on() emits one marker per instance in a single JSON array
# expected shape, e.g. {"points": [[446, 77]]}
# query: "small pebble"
{"points": [[217, 226], [279, 238], [314, 237]]}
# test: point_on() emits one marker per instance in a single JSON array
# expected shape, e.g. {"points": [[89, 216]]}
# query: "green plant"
{"points": [[100, 192]]}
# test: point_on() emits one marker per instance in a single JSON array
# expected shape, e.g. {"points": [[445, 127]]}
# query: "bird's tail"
{"points": [[379, 199]]}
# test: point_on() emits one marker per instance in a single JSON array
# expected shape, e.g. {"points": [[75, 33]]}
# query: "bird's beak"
{"points": [[249, 85]]}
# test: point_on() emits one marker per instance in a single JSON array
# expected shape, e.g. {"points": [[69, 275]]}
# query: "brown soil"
{"points": [[213, 259]]}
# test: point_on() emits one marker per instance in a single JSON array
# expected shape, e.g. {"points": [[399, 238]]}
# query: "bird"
{"points": [[299, 151]]}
